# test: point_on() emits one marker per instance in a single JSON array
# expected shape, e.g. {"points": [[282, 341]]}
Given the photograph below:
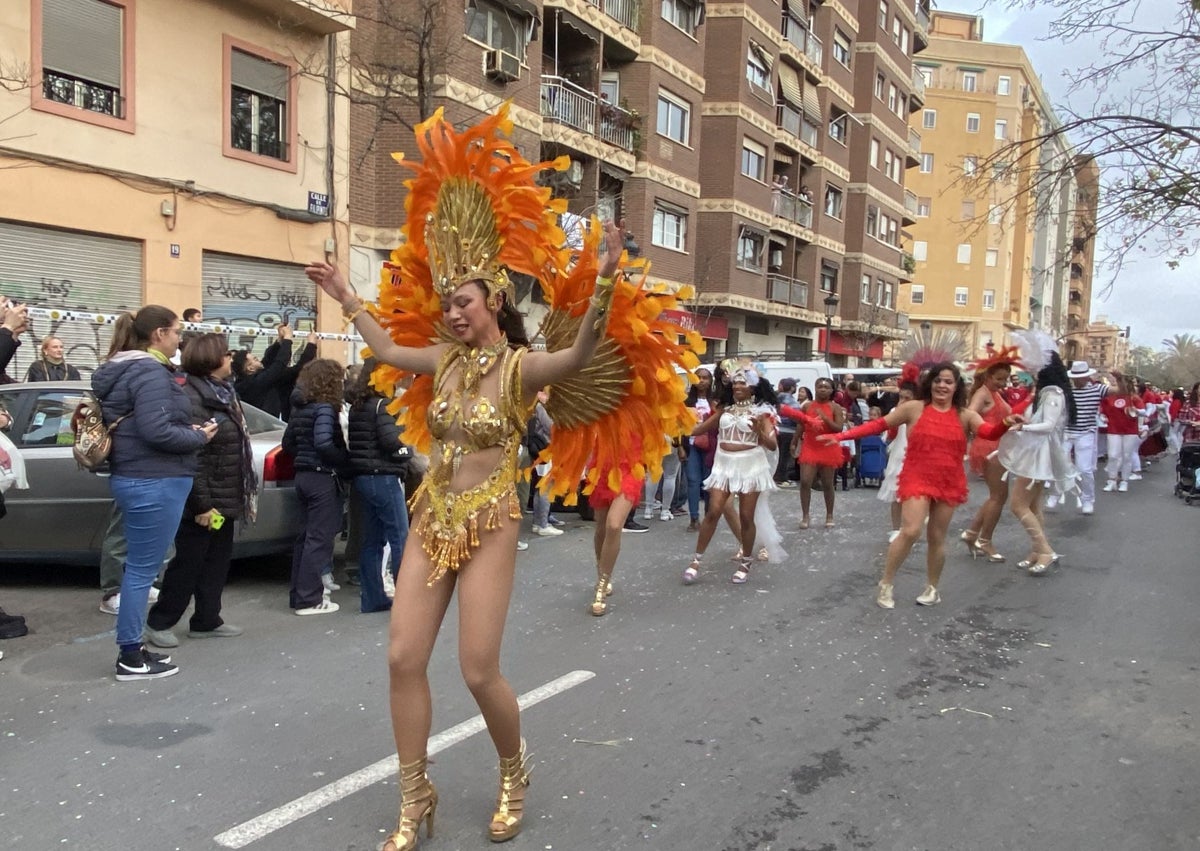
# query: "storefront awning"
{"points": [[849, 345], [709, 327]]}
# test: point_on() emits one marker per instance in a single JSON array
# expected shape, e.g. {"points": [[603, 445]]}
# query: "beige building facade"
{"points": [[1107, 346], [995, 231], [146, 161]]}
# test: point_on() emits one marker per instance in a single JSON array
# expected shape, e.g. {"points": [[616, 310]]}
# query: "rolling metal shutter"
{"points": [[258, 294], [74, 271]]}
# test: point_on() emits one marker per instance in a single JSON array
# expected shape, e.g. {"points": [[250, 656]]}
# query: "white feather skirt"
{"points": [[748, 471]]}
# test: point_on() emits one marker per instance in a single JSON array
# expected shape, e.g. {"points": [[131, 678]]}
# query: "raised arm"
{"points": [[906, 412], [423, 360], [542, 368], [1054, 407]]}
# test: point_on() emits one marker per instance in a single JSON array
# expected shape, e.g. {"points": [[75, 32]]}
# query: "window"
{"points": [[972, 122], [1001, 170], [880, 82], [917, 294], [926, 163], [924, 206], [865, 290], [995, 215], [891, 101], [897, 169], [920, 250], [754, 160], [929, 119], [1004, 86], [989, 299], [926, 76], [681, 13], [904, 41], [841, 47], [839, 125], [670, 227], [874, 153], [969, 81], [259, 112], [673, 117], [81, 60], [968, 210], [829, 276], [750, 250], [883, 14], [758, 72], [888, 159], [992, 257], [960, 296], [970, 165], [964, 252], [1001, 128], [497, 27], [50, 420], [896, 29], [872, 220], [889, 296], [833, 201]]}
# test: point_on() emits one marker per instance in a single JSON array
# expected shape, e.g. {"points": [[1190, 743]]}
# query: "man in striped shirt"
{"points": [[1081, 436]]}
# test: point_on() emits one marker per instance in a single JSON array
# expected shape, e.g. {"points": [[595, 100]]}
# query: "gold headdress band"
{"points": [[463, 240]]}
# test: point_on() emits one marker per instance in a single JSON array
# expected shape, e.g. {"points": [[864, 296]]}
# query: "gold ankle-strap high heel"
{"points": [[514, 777], [603, 589], [418, 803]]}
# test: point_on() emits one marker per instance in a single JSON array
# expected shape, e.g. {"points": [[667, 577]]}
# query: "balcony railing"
{"points": [[794, 30], [624, 12], [787, 117], [914, 142], [910, 203], [809, 132], [788, 205], [813, 49], [922, 16], [918, 84], [570, 104], [84, 94], [784, 290]]}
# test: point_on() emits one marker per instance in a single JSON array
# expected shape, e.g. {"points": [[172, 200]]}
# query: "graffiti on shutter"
{"points": [[257, 294]]}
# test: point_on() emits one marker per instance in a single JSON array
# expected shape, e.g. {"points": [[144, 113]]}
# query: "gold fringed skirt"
{"points": [[448, 522]]}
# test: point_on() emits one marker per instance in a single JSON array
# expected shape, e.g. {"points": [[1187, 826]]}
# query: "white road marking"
{"points": [[269, 822]]}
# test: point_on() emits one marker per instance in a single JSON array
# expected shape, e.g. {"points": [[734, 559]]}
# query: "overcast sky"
{"points": [[1154, 301]]}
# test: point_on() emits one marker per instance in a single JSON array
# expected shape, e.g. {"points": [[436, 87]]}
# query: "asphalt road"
{"points": [[788, 713]]}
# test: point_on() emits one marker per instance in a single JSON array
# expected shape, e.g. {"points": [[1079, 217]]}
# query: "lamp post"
{"points": [[831, 303]]}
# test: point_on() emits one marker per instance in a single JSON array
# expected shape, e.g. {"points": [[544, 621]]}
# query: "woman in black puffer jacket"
{"points": [[378, 462], [225, 487]]}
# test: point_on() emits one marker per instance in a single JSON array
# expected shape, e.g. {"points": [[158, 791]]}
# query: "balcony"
{"points": [[814, 49], [624, 12], [784, 290], [323, 17], [921, 30], [913, 156], [918, 88], [566, 103], [910, 208], [788, 205], [794, 30]]}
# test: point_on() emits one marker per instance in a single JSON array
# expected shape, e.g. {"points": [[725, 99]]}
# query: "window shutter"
{"points": [[789, 84], [259, 75], [83, 38]]}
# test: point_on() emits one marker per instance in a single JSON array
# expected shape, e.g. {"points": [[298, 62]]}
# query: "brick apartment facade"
{"points": [[757, 149]]}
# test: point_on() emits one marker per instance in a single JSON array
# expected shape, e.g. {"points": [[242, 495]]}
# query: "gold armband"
{"points": [[602, 298], [351, 310]]}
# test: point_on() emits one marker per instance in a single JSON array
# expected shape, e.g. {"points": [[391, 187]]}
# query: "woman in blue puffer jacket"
{"points": [[153, 459]]}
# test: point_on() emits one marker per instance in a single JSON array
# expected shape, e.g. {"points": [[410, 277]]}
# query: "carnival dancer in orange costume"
{"points": [[987, 400], [932, 481], [446, 316]]}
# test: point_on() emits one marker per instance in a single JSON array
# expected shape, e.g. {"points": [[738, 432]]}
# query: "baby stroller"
{"points": [[872, 460], [1185, 472]]}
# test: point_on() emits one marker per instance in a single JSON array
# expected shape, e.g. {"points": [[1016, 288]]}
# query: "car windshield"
{"points": [[259, 421]]}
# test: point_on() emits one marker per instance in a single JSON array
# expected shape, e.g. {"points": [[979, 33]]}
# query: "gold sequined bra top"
{"points": [[448, 521]]}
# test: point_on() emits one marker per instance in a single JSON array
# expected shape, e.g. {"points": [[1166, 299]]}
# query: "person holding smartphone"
{"points": [[224, 491]]}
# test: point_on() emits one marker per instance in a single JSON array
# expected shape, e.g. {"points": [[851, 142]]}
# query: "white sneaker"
{"points": [[325, 607], [111, 605], [330, 585], [1052, 502], [929, 597], [547, 531], [893, 535], [522, 546], [1123, 487], [153, 595], [1110, 486], [1135, 477], [665, 515], [1088, 508], [648, 514]]}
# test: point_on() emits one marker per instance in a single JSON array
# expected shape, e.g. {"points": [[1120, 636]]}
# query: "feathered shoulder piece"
{"points": [[1036, 348], [936, 345], [1005, 356], [473, 212], [617, 410]]}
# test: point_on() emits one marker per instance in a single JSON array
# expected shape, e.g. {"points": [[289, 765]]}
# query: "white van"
{"points": [[865, 376], [806, 372]]}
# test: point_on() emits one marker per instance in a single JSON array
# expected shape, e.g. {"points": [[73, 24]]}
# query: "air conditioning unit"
{"points": [[501, 65], [775, 259]]}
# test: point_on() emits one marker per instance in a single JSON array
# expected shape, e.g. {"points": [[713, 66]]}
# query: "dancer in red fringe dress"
{"points": [[932, 481]]}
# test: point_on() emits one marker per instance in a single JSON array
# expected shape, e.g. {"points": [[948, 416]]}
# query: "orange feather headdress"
{"points": [[1004, 356]]}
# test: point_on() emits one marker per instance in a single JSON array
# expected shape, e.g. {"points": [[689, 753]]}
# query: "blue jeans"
{"points": [[385, 519], [152, 509], [696, 474]]}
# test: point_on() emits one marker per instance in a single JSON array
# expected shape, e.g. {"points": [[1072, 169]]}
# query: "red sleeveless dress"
{"points": [[812, 451], [933, 462], [980, 447]]}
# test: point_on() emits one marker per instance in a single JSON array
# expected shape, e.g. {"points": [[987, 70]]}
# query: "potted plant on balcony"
{"points": [[908, 263], [620, 119]]}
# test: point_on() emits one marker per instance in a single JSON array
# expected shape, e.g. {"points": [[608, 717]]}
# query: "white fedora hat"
{"points": [[1080, 369]]}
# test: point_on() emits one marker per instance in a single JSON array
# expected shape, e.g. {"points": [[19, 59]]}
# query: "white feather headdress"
{"points": [[1036, 348]]}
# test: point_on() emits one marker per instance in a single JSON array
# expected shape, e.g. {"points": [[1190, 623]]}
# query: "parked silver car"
{"points": [[63, 515]]}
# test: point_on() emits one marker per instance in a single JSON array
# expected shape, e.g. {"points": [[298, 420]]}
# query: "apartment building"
{"points": [[772, 181], [185, 153], [1107, 346], [1083, 248], [995, 228]]}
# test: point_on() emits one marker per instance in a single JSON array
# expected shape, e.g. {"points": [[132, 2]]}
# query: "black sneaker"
{"points": [[161, 658], [139, 665], [633, 526]]}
